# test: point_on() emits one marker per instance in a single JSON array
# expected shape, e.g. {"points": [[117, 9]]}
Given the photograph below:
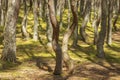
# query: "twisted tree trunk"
{"points": [[67, 35], [55, 38]]}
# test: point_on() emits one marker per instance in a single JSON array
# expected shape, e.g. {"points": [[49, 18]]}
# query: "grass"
{"points": [[30, 53]]}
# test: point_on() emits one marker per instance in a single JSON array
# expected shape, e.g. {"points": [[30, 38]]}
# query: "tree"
{"points": [[9, 50], [75, 36], [25, 34], [69, 10], [0, 10], [102, 33], [82, 3], [86, 19], [59, 10], [109, 28], [41, 5], [4, 6], [68, 61], [49, 26], [36, 23], [116, 10], [55, 38], [96, 22]]}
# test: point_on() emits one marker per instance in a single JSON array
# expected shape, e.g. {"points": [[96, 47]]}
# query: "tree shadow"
{"points": [[51, 77], [95, 73], [1, 39], [92, 71], [1, 35], [6, 66], [44, 63], [115, 48], [33, 53], [89, 50], [26, 50], [116, 36]]}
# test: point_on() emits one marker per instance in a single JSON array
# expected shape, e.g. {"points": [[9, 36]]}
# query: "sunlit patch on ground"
{"points": [[37, 62]]}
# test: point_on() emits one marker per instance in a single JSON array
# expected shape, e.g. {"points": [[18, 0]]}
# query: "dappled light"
{"points": [[59, 40]]}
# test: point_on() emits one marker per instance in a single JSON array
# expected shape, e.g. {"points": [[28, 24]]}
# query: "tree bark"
{"points": [[116, 10], [96, 22], [82, 7], [55, 38], [25, 34], [59, 10], [85, 21], [3, 12], [49, 27], [69, 10], [36, 24], [0, 10], [75, 35], [109, 29], [67, 35], [102, 33], [41, 8], [9, 50]]}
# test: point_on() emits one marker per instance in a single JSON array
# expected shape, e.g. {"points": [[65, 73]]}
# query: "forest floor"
{"points": [[38, 65]]}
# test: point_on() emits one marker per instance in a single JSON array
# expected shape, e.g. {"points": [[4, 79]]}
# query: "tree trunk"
{"points": [[85, 21], [116, 10], [59, 11], [96, 22], [102, 33], [41, 8], [115, 21], [36, 24], [69, 10], [49, 27], [0, 10], [75, 35], [9, 50], [109, 30], [55, 38], [82, 7], [25, 34], [67, 35], [3, 12]]}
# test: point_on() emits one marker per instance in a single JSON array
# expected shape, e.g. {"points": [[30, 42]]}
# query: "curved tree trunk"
{"points": [[55, 38], [75, 35], [116, 10], [67, 35], [25, 34], [96, 22], [85, 21], [9, 50]]}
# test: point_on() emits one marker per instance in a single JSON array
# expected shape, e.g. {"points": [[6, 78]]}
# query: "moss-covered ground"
{"points": [[36, 61]]}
